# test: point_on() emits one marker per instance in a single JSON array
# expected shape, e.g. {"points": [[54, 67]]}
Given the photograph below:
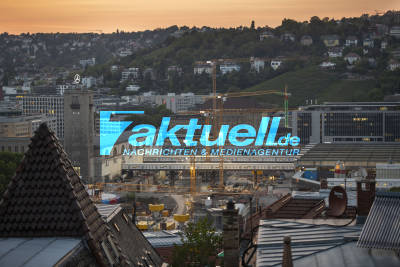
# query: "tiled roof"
{"points": [[382, 227], [131, 240], [46, 198]]}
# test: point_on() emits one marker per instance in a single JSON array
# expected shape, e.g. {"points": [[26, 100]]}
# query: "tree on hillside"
{"points": [[8, 165], [200, 245]]}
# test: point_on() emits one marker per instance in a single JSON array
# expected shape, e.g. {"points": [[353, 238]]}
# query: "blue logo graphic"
{"points": [[146, 134], [110, 131]]}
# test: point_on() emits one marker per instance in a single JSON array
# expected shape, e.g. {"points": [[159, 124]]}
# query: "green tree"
{"points": [[200, 247], [8, 165]]}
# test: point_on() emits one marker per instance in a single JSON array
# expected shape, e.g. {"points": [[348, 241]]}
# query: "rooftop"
{"points": [[163, 238], [46, 199], [382, 227], [307, 239], [347, 255], [372, 153], [40, 251]]}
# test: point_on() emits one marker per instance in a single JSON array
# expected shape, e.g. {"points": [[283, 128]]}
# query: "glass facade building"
{"points": [[348, 122]]}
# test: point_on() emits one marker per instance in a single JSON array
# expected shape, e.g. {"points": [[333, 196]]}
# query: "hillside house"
{"points": [[276, 63], [266, 35], [306, 40], [395, 32], [288, 37], [327, 65], [352, 58], [257, 64], [393, 65], [368, 42], [130, 73], [229, 67], [201, 68], [351, 41], [335, 52], [330, 40]]}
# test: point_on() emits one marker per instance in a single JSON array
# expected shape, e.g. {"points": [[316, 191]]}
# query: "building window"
{"points": [[75, 100]]}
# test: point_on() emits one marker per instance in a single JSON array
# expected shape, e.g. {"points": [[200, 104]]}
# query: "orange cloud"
{"points": [[133, 15]]}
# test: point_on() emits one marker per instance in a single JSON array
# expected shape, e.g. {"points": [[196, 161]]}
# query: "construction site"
{"points": [[165, 191], [164, 188]]}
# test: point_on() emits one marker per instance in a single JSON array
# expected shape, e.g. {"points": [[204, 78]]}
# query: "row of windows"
{"points": [[349, 124], [364, 127], [16, 149]]}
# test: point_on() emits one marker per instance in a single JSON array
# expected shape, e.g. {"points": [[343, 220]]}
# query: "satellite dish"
{"points": [[337, 201]]}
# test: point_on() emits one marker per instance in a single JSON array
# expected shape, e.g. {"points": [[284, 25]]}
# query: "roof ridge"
{"points": [[46, 197]]}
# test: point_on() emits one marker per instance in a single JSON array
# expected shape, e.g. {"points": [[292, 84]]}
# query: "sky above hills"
{"points": [[18, 16]]}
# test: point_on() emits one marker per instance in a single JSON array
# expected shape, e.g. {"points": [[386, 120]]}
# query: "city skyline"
{"points": [[105, 16]]}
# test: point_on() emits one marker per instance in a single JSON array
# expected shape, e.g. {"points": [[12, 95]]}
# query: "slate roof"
{"points": [[382, 227], [131, 240], [46, 198]]}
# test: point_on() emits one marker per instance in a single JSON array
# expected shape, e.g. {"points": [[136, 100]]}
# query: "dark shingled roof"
{"points": [[132, 242], [46, 198], [382, 228]]}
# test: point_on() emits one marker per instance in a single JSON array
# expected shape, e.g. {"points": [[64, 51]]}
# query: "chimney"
{"points": [[287, 253], [231, 235], [324, 183], [365, 196]]}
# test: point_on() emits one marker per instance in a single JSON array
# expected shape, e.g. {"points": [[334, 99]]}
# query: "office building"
{"points": [[24, 126], [130, 73], [348, 122], [175, 103], [49, 105]]}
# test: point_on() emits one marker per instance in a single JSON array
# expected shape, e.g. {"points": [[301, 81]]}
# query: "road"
{"points": [[180, 201]]}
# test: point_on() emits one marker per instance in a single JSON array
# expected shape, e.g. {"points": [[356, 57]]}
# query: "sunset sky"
{"points": [[133, 15]]}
